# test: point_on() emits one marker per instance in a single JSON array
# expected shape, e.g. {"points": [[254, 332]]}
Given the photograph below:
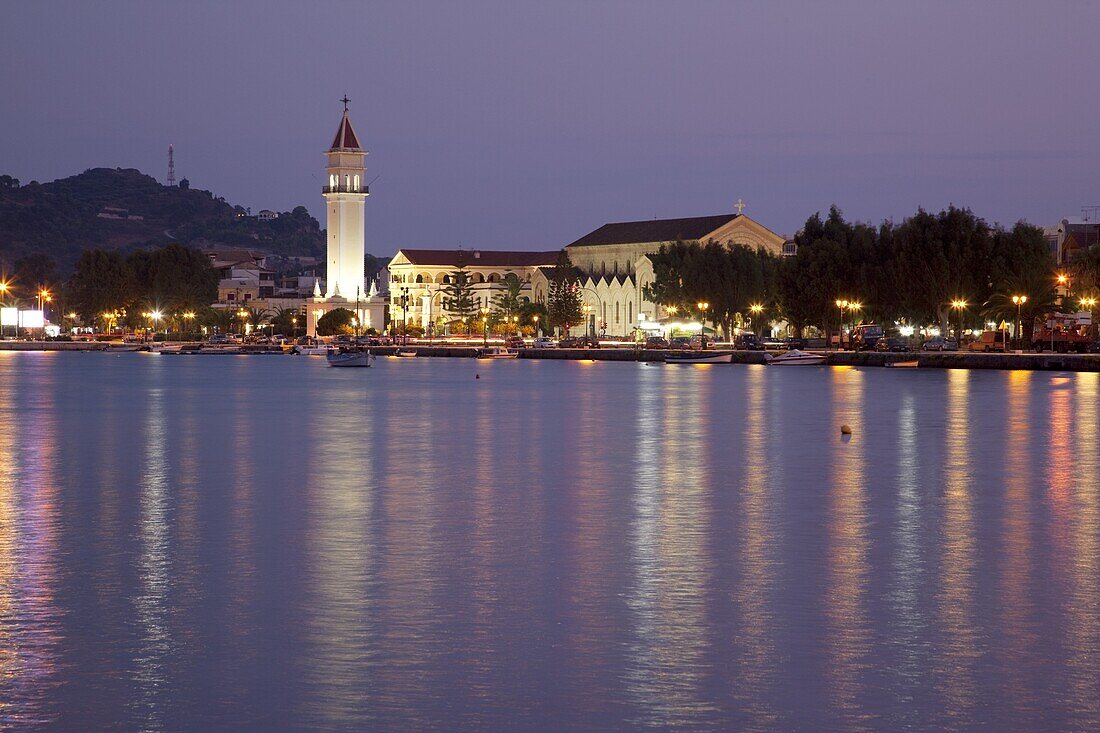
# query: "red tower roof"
{"points": [[345, 136]]}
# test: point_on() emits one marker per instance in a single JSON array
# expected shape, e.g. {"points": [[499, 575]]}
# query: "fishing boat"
{"points": [[349, 357], [496, 352], [700, 357], [795, 357]]}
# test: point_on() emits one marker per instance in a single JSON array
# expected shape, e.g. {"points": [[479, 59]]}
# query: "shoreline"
{"points": [[925, 360]]}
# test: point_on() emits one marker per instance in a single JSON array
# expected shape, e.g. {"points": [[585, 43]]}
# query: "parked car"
{"points": [[656, 342], [770, 342], [988, 341], [589, 342], [939, 343], [794, 342], [680, 343], [748, 342], [542, 342], [892, 344], [515, 342], [569, 342]]}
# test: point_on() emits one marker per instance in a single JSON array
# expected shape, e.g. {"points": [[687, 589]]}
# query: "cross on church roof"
{"points": [[740, 206], [345, 100]]}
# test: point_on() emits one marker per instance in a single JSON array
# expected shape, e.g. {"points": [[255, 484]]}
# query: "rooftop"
{"points": [[478, 257], [655, 230]]}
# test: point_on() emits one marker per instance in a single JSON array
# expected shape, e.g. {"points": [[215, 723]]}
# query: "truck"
{"points": [[1063, 332]]}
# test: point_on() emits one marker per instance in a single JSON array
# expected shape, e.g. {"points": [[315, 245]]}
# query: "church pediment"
{"points": [[744, 231]]}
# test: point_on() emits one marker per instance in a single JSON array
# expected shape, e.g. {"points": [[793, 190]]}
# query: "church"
{"points": [[614, 265]]}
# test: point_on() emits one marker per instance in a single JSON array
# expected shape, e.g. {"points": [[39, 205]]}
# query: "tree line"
{"points": [[907, 273]]}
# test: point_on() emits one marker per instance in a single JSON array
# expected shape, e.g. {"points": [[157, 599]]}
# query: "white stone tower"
{"points": [[345, 193]]}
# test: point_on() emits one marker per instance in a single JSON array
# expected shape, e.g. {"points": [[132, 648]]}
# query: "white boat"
{"points": [[407, 353], [700, 357], [313, 350], [904, 364], [350, 358], [124, 347], [496, 352], [795, 357]]}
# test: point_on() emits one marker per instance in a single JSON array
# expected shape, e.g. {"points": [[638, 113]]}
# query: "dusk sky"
{"points": [[526, 125]]}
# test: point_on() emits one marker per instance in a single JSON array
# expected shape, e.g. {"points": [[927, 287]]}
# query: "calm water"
{"points": [[250, 543]]}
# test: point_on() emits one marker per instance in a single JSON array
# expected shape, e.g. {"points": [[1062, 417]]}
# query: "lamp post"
{"points": [[1063, 284], [841, 305], [404, 316], [587, 319], [155, 317], [702, 306], [1019, 300], [484, 326], [188, 316], [756, 309], [958, 304], [515, 324], [535, 318], [3, 299]]}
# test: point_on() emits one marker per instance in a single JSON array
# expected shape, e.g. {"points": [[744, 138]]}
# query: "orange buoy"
{"points": [[845, 430]]}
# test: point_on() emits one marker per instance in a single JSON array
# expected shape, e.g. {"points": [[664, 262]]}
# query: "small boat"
{"points": [[124, 347], [795, 357], [700, 357], [350, 357], [312, 350], [904, 364], [406, 353], [496, 352]]}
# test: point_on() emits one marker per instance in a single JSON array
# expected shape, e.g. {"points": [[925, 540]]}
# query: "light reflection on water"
{"points": [[267, 544]]}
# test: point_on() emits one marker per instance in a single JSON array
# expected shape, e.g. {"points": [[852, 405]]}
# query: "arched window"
{"points": [[420, 279], [347, 181], [616, 310], [332, 180], [629, 313], [356, 181], [480, 278], [493, 277]]}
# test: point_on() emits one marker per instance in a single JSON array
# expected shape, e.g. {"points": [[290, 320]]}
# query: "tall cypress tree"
{"points": [[458, 294], [563, 301]]}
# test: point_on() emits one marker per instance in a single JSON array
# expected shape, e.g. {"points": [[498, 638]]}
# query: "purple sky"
{"points": [[526, 125]]}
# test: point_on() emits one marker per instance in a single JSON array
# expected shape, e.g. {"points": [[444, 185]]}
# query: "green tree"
{"points": [[217, 319], [102, 283], [563, 299], [174, 277], [287, 320], [336, 321], [458, 295], [509, 300]]}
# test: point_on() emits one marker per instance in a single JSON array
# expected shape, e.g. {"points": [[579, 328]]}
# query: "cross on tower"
{"points": [[345, 100], [740, 206]]}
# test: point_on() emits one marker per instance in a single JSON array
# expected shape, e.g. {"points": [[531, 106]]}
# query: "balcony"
{"points": [[365, 190]]}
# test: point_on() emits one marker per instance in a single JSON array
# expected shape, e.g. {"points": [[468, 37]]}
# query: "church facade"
{"points": [[614, 266]]}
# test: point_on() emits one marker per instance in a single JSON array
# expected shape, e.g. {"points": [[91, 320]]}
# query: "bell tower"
{"points": [[345, 193]]}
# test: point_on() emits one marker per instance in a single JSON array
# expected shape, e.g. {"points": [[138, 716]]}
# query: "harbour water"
{"points": [[251, 543]]}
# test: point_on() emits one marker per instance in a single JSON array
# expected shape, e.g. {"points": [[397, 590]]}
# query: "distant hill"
{"points": [[124, 209]]}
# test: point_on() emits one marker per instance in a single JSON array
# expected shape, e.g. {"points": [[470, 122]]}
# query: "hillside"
{"points": [[125, 209]]}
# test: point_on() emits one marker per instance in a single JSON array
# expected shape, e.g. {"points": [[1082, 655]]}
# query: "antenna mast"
{"points": [[171, 167]]}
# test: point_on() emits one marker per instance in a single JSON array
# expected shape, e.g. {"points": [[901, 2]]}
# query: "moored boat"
{"points": [[700, 357], [496, 352], [349, 357], [795, 357], [406, 353], [312, 350]]}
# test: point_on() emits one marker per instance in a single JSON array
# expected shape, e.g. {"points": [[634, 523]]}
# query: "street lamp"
{"points": [[1019, 300], [958, 304], [841, 305], [1063, 282], [756, 309], [294, 327], [155, 317], [188, 316], [515, 324], [702, 306], [587, 319], [484, 326], [535, 318]]}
